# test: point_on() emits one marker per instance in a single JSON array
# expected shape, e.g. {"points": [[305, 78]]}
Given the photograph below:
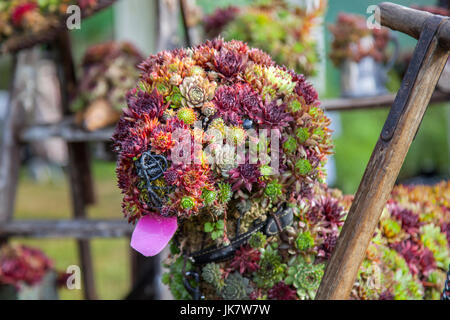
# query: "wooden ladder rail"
{"points": [[79, 166], [390, 151], [9, 152]]}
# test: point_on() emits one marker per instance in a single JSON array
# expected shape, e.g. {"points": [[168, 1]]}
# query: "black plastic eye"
{"points": [[248, 124], [151, 167]]}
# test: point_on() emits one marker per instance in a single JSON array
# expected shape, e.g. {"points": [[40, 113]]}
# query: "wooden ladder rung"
{"points": [[67, 130], [343, 104], [76, 228]]}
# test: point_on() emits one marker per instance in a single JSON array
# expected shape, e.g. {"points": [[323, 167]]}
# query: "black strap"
{"points": [[446, 291], [284, 215]]}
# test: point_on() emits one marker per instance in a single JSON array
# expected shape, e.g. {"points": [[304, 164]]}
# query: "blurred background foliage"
{"points": [[429, 153]]}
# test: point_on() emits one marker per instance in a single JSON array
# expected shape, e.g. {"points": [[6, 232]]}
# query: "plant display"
{"points": [[109, 71], [411, 246], [275, 26], [353, 40], [423, 212], [249, 225], [32, 16], [22, 265], [193, 109], [407, 259]]}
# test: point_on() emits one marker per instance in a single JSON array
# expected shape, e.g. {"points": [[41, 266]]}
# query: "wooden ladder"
{"points": [[13, 133]]}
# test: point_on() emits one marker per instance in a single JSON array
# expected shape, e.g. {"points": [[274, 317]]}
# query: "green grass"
{"points": [[360, 131], [52, 201], [429, 152]]}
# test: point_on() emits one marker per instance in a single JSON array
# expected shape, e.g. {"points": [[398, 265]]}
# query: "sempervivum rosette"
{"points": [[220, 144], [109, 72], [407, 258]]}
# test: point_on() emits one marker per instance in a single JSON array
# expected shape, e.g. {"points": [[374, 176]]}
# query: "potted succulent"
{"points": [[360, 53], [243, 224], [24, 23], [284, 30], [27, 274], [109, 71], [20, 17]]}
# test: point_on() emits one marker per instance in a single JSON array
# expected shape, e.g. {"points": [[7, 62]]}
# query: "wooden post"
{"points": [[190, 13], [389, 153], [168, 12], [184, 12], [145, 272], [9, 153], [81, 186]]}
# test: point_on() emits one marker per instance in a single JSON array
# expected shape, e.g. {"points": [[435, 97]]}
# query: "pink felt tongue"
{"points": [[152, 233]]}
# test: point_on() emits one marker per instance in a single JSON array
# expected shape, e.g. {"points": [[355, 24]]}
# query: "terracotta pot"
{"points": [[99, 114]]}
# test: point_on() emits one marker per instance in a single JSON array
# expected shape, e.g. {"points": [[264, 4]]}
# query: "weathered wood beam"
{"points": [[66, 130], [349, 104], [411, 22], [167, 25], [76, 228]]}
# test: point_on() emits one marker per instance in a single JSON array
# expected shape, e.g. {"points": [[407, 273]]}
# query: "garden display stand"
{"points": [[400, 128]]}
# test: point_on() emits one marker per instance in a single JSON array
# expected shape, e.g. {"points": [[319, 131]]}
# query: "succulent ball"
{"points": [[210, 137], [202, 110]]}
